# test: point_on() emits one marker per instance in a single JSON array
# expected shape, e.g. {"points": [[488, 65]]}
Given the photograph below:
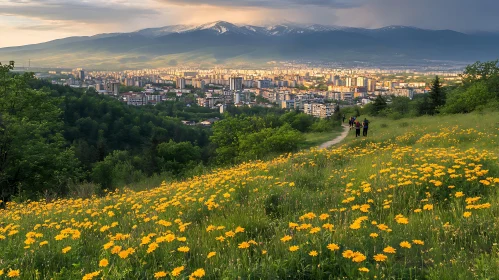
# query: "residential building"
{"points": [[181, 83], [236, 83]]}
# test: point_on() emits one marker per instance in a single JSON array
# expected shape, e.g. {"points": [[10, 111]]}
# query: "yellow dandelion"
{"points": [[294, 248]]}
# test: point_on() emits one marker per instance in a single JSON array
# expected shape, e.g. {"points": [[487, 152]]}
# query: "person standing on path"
{"points": [[344, 118], [365, 124], [357, 129]]}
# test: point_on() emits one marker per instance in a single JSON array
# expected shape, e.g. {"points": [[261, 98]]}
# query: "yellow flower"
{"points": [[44, 243], [328, 226], [333, 247], [380, 258], [358, 257], [160, 274], [405, 244], [123, 254], [211, 254], [264, 252], [294, 248], [382, 227], [373, 235], [363, 269], [220, 238], [153, 246], [108, 245], [176, 271], [459, 194], [65, 250], [390, 250], [198, 273], [103, 263], [116, 250], [348, 254], [313, 253], [428, 207], [239, 229], [90, 276], [183, 249], [418, 242], [243, 245], [324, 216], [13, 273], [315, 230], [286, 238], [467, 214]]}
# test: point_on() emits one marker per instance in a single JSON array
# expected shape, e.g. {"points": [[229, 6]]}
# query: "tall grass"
{"points": [[415, 199]]}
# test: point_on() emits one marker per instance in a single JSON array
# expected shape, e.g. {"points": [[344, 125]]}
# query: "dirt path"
{"points": [[336, 140]]}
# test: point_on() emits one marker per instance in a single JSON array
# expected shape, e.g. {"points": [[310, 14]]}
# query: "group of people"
{"points": [[354, 123]]}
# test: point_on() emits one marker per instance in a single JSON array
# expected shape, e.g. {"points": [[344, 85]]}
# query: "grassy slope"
{"points": [[314, 139], [402, 183]]}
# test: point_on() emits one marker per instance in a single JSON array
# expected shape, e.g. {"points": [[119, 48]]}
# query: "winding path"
{"points": [[336, 140]]}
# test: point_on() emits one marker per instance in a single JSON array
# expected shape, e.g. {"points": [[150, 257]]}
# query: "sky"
{"points": [[33, 21]]}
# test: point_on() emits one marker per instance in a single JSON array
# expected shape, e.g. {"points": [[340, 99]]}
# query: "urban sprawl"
{"points": [[316, 92]]}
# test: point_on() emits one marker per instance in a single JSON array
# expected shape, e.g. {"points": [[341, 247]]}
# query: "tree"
{"points": [[378, 105], [400, 104], [34, 157], [269, 141], [437, 96], [480, 71], [175, 157]]}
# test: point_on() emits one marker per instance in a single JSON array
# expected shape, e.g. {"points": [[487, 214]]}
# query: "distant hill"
{"points": [[226, 43]]}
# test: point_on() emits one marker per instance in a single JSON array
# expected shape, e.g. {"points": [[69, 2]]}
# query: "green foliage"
{"points": [[437, 96], [378, 105], [480, 71], [267, 141], [124, 89], [34, 157], [254, 137], [177, 157]]}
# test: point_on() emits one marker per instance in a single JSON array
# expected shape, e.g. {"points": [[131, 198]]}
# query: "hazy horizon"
{"points": [[35, 21]]}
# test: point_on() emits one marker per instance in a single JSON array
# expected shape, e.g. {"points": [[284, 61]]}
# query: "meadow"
{"points": [[416, 199]]}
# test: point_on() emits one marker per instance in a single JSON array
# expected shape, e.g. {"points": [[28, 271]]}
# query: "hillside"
{"points": [[417, 199], [246, 45]]}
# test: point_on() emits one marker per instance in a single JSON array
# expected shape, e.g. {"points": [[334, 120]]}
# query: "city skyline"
{"points": [[34, 21]]}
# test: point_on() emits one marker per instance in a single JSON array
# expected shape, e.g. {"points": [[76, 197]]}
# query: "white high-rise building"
{"points": [[361, 82]]}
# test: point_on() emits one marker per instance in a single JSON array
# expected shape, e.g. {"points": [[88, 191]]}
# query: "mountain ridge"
{"points": [[224, 43]]}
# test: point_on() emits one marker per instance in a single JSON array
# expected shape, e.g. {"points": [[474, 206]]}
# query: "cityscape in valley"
{"points": [[249, 139], [314, 91]]}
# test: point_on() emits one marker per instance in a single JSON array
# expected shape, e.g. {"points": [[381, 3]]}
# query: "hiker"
{"points": [[357, 129], [365, 124], [344, 118]]}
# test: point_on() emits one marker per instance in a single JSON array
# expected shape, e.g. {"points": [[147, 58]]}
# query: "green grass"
{"points": [[418, 177]]}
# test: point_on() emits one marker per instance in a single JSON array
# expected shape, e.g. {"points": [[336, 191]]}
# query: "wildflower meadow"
{"points": [[416, 199]]}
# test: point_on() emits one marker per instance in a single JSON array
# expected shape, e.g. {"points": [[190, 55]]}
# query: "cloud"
{"points": [[75, 11], [461, 15], [337, 4]]}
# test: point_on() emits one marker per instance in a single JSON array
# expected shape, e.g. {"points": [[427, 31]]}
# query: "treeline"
{"points": [[479, 91], [53, 137], [56, 140]]}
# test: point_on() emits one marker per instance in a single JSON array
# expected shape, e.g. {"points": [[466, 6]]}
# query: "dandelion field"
{"points": [[416, 199]]}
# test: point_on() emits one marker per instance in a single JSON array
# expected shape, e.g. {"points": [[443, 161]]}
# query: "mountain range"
{"points": [[224, 43]]}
